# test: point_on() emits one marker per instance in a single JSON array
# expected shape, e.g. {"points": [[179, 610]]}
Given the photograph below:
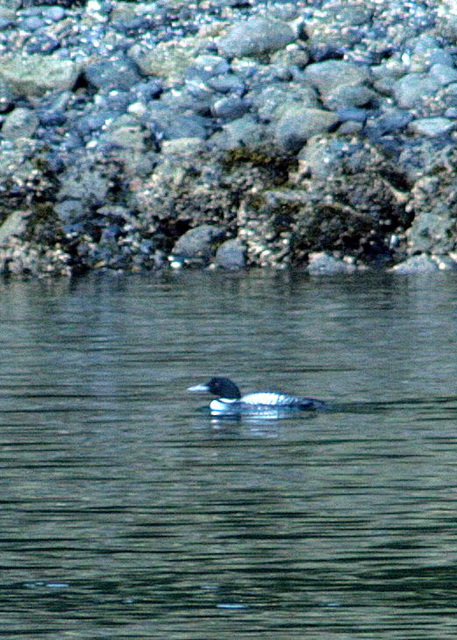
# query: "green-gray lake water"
{"points": [[126, 512]]}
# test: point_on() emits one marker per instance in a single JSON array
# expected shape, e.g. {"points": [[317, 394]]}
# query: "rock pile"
{"points": [[136, 135]]}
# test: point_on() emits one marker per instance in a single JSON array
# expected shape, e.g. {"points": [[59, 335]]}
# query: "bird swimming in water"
{"points": [[230, 401]]}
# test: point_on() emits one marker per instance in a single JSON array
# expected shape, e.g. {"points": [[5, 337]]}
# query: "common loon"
{"points": [[229, 399]]}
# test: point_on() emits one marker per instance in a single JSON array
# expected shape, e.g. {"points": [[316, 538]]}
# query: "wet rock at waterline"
{"points": [[197, 246]]}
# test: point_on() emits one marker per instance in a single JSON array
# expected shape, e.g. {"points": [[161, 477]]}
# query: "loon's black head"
{"points": [[220, 387]]}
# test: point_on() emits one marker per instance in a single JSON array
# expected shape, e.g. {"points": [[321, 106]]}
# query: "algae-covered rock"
{"points": [[34, 75], [168, 60], [434, 204], [354, 210]]}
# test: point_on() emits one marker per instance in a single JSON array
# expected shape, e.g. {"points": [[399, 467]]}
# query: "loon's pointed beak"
{"points": [[199, 388]]}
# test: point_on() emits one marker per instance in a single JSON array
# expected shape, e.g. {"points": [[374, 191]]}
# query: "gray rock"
{"points": [[198, 87], [54, 13], [32, 23], [227, 83], [385, 85], [197, 245], [425, 157], [125, 13], [335, 27], [323, 157], [416, 265], [118, 72], [93, 121], [231, 255], [212, 65], [298, 124], [6, 96], [449, 95], [424, 43], [433, 227], [293, 55], [85, 184], [432, 127], [329, 75], [23, 257], [42, 44], [445, 74], [242, 132], [182, 146], [229, 108], [6, 20], [412, 89], [14, 225], [388, 122], [186, 127], [353, 114], [324, 264], [8, 10], [127, 134], [20, 123], [393, 68], [347, 95], [445, 263], [167, 123], [18, 161], [52, 117], [246, 68], [350, 128], [116, 101], [447, 21], [70, 211], [280, 72], [272, 101], [36, 74], [255, 37], [427, 52], [150, 90], [186, 102]]}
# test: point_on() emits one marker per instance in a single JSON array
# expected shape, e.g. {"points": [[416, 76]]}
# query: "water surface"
{"points": [[126, 512]]}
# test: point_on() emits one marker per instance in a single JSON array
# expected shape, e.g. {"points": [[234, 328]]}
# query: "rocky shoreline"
{"points": [[228, 133]]}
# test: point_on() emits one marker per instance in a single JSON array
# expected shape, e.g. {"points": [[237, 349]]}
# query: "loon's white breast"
{"points": [[221, 404]]}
